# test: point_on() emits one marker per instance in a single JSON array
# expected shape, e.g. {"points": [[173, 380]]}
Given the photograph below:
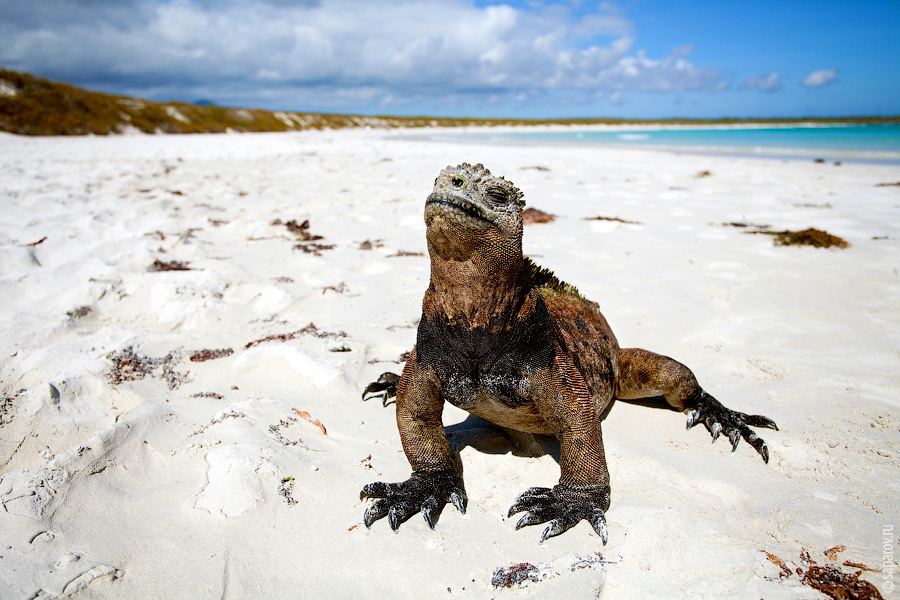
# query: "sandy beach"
{"points": [[182, 359]]}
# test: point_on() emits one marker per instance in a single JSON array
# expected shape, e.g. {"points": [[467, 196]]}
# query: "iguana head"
{"points": [[470, 210]]}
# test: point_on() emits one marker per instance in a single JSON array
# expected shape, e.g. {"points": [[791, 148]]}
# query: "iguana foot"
{"points": [[735, 425], [385, 388], [564, 507], [426, 492]]}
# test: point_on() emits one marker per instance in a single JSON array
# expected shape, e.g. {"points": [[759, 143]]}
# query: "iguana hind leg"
{"points": [[643, 374]]}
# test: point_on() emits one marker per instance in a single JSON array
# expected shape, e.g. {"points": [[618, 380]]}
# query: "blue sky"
{"points": [[523, 58]]}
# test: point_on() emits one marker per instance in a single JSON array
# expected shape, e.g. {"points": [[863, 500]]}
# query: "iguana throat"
{"points": [[474, 235]]}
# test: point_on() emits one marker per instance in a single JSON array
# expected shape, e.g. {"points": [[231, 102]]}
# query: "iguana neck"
{"points": [[476, 293]]}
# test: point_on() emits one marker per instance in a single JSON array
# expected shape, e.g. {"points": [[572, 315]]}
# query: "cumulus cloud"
{"points": [[820, 78], [765, 83], [338, 53]]}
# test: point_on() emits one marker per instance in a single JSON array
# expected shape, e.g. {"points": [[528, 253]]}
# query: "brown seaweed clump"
{"points": [[310, 329], [514, 575], [172, 265], [829, 579], [128, 365], [808, 237], [530, 216], [204, 355], [613, 219], [7, 407]]}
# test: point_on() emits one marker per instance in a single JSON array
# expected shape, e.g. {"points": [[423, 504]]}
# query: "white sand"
{"points": [[140, 491]]}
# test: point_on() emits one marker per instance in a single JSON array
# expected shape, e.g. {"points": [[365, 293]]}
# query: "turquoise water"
{"points": [[876, 143]]}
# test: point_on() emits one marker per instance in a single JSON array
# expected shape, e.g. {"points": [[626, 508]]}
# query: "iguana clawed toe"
{"points": [[735, 425], [385, 388], [425, 492], [564, 507]]}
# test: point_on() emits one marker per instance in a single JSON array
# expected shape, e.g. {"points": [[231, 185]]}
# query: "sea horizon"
{"points": [[871, 143]]}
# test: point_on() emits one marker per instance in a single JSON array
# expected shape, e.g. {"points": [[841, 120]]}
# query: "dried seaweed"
{"points": [[231, 414], [204, 355], [406, 253], [524, 573], [173, 378], [275, 430], [300, 230], [172, 265], [7, 407], [614, 219], [831, 580], [285, 489], [313, 248], [860, 566], [279, 437], [77, 313], [701, 174], [506, 577], [531, 216], [785, 570], [369, 244], [310, 329], [128, 365], [586, 563], [742, 225], [832, 553], [338, 289], [834, 583], [213, 395], [808, 237], [889, 184]]}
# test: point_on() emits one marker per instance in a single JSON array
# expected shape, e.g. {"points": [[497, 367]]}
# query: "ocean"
{"points": [[868, 143]]}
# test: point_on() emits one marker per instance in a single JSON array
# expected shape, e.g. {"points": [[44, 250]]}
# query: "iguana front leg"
{"points": [[434, 481], [583, 490]]}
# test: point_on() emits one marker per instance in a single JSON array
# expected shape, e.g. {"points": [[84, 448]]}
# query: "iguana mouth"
{"points": [[460, 204]]}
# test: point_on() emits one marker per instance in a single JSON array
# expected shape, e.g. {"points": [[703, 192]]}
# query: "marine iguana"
{"points": [[507, 341]]}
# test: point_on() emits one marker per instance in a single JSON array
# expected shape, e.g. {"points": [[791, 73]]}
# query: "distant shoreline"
{"points": [[38, 107]]}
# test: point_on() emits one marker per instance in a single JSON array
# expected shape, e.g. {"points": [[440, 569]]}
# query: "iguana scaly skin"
{"points": [[508, 342]]}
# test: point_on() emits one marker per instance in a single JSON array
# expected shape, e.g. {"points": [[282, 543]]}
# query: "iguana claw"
{"points": [[385, 388], [564, 507], [425, 492], [735, 425]]}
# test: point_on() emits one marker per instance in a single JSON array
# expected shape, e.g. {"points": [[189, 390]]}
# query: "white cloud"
{"points": [[339, 53], [820, 78], [765, 83]]}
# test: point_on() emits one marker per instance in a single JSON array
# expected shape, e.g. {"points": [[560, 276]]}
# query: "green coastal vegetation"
{"points": [[31, 105]]}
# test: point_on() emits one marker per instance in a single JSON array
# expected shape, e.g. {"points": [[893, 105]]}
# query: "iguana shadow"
{"points": [[487, 438]]}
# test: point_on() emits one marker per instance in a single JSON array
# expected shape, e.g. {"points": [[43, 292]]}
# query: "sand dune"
{"points": [[151, 445]]}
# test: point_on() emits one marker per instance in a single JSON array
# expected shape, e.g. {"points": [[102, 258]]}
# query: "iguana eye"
{"points": [[496, 194], [456, 182]]}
